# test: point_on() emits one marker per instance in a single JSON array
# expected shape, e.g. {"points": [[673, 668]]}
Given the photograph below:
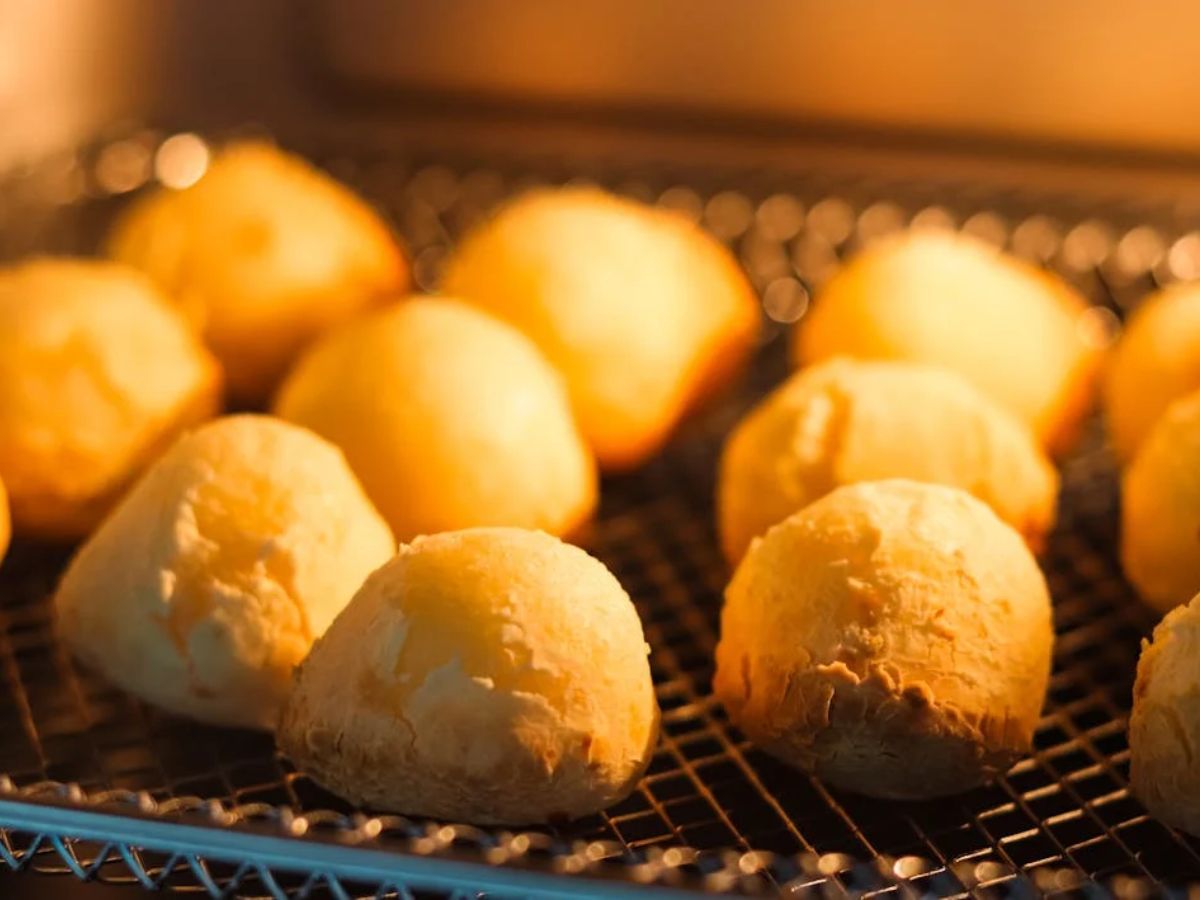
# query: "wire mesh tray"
{"points": [[96, 784]]}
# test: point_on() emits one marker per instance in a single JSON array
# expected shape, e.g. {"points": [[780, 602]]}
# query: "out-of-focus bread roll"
{"points": [[450, 417], [893, 638], [209, 583], [491, 675], [263, 253], [1160, 509], [642, 312], [5, 523], [1156, 362], [1164, 727], [97, 374], [1011, 329], [845, 421]]}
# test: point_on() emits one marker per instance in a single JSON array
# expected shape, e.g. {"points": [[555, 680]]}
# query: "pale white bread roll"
{"points": [[209, 583]]}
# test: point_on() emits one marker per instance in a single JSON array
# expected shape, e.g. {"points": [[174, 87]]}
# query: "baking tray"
{"points": [[96, 784]]}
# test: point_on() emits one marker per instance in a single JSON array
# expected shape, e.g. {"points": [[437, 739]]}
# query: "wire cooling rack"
{"points": [[101, 786]]}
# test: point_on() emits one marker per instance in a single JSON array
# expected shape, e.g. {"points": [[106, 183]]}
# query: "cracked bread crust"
{"points": [[894, 638], [209, 583], [845, 421], [1164, 726], [492, 675]]}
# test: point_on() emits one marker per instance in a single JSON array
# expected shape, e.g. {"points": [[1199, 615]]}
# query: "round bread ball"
{"points": [[1164, 727], [209, 583], [263, 253], [1156, 361], [450, 417], [642, 312], [892, 638], [1012, 330], [1160, 509], [97, 374], [844, 421], [491, 675]]}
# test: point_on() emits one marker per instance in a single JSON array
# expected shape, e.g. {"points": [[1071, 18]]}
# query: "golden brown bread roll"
{"points": [[1160, 509], [1156, 362], [643, 313], [450, 417], [893, 638], [263, 253], [492, 675], [949, 300], [209, 583], [1164, 727], [97, 374], [844, 421]]}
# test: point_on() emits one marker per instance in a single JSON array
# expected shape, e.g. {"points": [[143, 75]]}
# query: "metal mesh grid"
{"points": [[1063, 816]]}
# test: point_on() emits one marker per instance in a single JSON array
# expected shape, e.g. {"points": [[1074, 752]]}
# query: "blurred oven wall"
{"points": [[1096, 74], [66, 67]]}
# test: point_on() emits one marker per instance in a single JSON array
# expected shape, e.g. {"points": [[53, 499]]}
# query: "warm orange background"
{"points": [[1089, 71], [1094, 73]]}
